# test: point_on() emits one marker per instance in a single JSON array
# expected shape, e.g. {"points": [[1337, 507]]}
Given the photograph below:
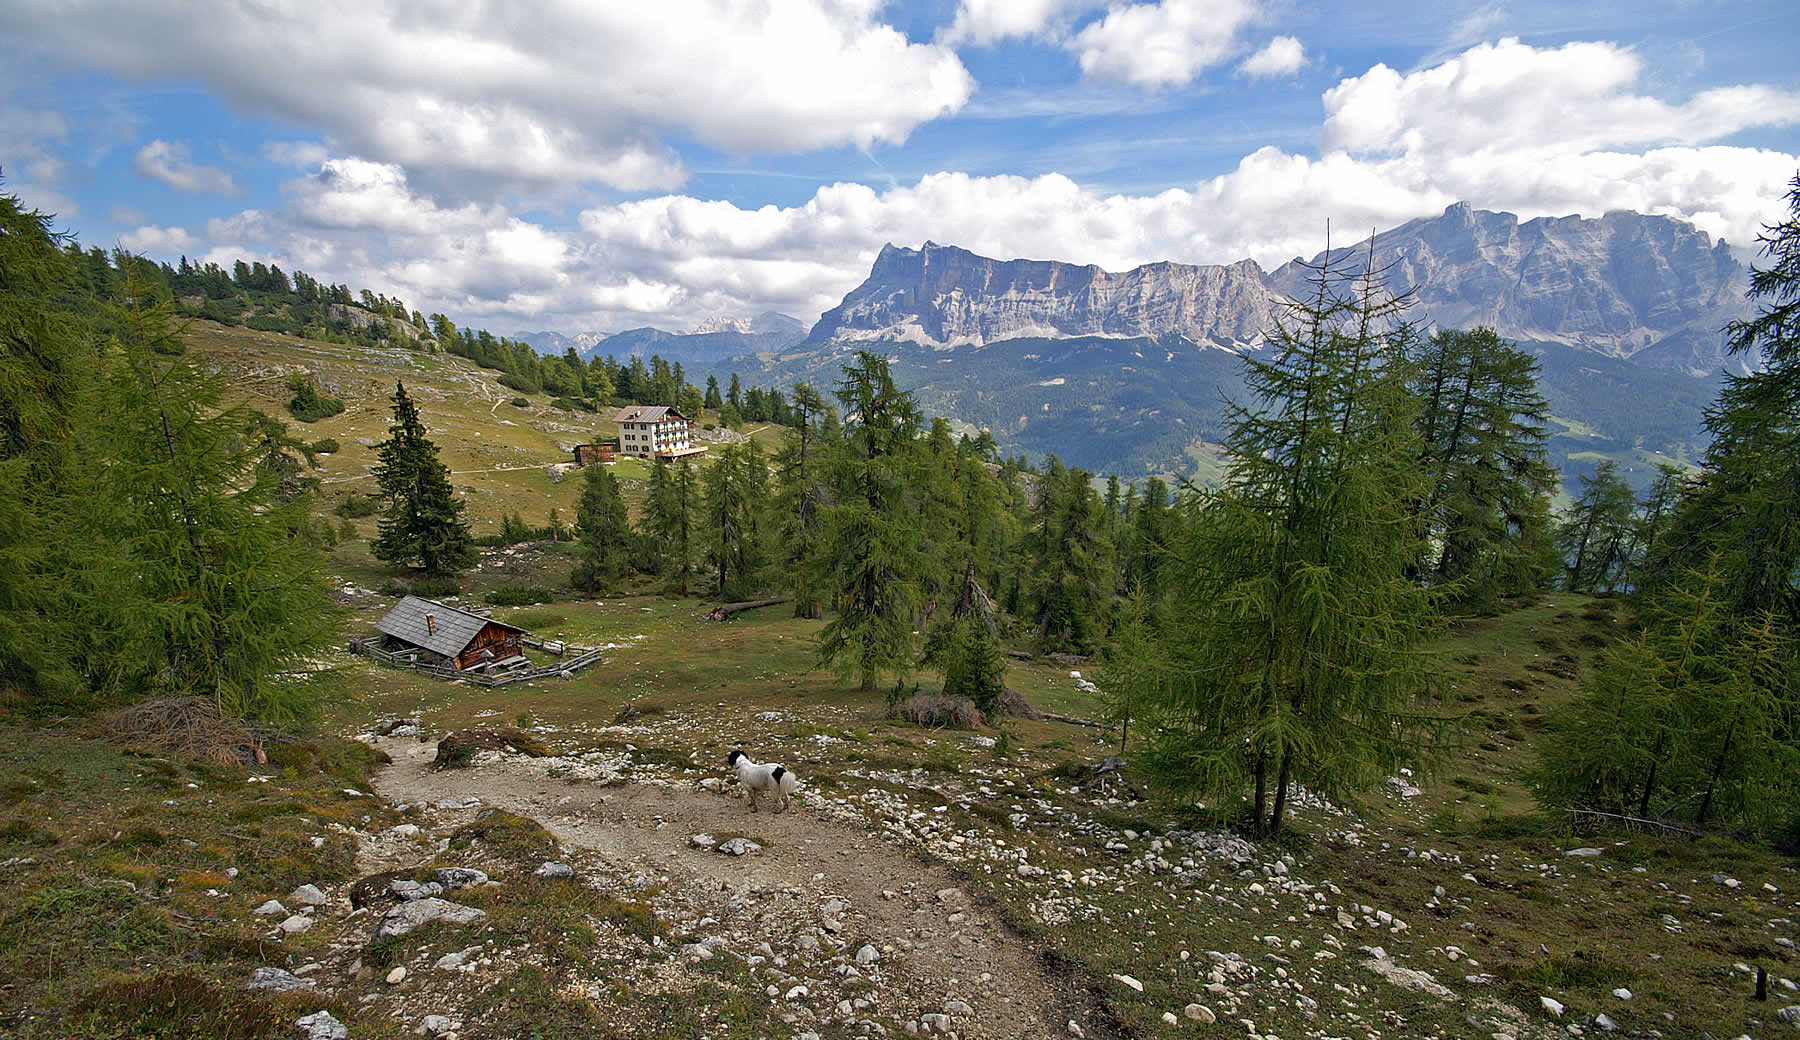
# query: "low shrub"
{"points": [[308, 405], [520, 402], [326, 446], [355, 506], [519, 596], [940, 712]]}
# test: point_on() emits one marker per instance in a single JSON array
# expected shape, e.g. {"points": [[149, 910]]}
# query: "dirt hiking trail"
{"points": [[813, 877]]}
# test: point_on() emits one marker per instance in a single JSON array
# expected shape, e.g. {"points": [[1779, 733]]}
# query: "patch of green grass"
{"points": [[506, 835]]}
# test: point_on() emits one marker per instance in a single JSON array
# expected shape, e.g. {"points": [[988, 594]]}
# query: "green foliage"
{"points": [[521, 383], [1595, 538], [423, 526], [667, 528], [356, 506], [1288, 652], [1698, 717], [604, 530], [520, 402], [734, 492], [1482, 424], [325, 446], [519, 596], [307, 404], [871, 560]]}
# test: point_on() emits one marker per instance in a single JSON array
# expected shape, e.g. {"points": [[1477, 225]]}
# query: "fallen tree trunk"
{"points": [[1071, 720], [1019, 654], [726, 611]]}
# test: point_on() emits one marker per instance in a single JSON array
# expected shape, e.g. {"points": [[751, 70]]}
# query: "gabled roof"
{"points": [[454, 628], [646, 413]]}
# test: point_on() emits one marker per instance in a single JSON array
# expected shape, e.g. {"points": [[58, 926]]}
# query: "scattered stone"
{"points": [[296, 924], [1129, 981], [1789, 1014], [1200, 1013], [406, 830], [407, 916], [278, 980], [1552, 1005], [554, 869], [270, 908], [453, 878], [1169, 1018], [1622, 993], [410, 890], [1587, 851], [934, 1023], [437, 1025], [307, 895], [321, 1026], [738, 847], [958, 1007], [702, 841], [867, 955], [1406, 978], [1605, 1024]]}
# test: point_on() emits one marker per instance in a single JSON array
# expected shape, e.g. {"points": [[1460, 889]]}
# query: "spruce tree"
{"points": [[423, 526], [669, 516], [1289, 652]]}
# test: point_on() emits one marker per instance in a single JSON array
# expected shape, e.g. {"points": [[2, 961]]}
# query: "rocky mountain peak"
{"points": [[1626, 284]]}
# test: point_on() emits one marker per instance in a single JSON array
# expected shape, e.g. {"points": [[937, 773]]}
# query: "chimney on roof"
{"points": [[431, 623]]}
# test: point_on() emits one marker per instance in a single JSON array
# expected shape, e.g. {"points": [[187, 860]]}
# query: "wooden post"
{"points": [[1762, 984]]}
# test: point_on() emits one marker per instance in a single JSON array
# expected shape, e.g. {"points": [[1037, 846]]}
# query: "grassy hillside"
{"points": [[498, 454]]}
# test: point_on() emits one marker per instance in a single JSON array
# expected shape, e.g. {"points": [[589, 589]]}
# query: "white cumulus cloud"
{"points": [[1282, 56], [984, 22], [1162, 44], [674, 259], [565, 91], [158, 241], [172, 163]]}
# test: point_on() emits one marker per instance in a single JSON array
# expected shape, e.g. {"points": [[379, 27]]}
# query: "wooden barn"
{"points": [[446, 635], [588, 454]]}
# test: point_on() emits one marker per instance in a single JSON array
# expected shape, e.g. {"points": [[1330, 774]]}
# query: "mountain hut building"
{"points": [[656, 432], [449, 636]]}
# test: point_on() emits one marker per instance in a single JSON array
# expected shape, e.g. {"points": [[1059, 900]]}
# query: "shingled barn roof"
{"points": [[448, 631]]}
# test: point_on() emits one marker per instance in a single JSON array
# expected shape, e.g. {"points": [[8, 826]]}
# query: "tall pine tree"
{"points": [[423, 526]]}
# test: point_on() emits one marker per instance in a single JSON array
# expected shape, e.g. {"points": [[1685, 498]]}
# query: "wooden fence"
{"points": [[410, 659]]}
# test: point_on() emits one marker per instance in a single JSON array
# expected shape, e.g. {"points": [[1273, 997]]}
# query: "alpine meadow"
{"points": [[819, 521]]}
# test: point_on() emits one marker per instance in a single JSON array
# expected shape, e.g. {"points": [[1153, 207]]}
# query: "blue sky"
{"points": [[585, 167]]}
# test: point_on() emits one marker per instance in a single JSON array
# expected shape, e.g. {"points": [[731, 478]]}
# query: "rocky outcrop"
{"points": [[946, 296], [1651, 288]]}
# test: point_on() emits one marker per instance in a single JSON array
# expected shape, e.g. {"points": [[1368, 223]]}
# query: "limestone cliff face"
{"points": [[945, 296], [1651, 288]]}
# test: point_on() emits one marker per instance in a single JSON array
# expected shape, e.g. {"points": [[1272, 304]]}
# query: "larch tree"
{"points": [[1594, 538], [604, 530], [1289, 652], [423, 526], [1482, 423], [872, 561]]}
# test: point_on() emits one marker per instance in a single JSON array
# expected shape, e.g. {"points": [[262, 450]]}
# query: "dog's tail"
{"points": [[785, 781]]}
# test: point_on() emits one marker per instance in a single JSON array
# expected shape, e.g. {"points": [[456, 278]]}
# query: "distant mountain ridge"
{"points": [[714, 339], [1628, 285]]}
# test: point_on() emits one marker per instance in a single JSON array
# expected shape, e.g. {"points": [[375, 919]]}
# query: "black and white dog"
{"points": [[763, 778]]}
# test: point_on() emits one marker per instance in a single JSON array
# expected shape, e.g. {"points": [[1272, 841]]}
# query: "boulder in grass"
{"points": [[458, 750], [408, 916]]}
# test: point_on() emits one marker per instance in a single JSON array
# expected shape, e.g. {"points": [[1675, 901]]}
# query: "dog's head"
{"points": [[732, 759]]}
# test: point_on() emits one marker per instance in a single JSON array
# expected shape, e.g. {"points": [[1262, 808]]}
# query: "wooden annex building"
{"points": [[449, 636]]}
